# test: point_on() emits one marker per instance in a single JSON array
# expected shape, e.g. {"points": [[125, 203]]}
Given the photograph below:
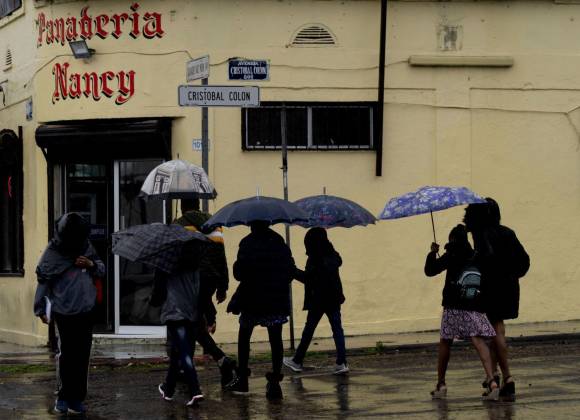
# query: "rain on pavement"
{"points": [[394, 384]]}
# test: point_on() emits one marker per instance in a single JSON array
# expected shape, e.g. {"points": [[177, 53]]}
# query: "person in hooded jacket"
{"points": [[503, 261], [322, 296], [462, 318], [264, 267], [179, 294], [65, 274]]}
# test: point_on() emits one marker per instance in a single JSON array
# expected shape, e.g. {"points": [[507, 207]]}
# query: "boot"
{"points": [[239, 385], [273, 389], [227, 371]]}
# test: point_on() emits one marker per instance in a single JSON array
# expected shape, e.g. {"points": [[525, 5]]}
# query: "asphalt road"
{"points": [[392, 385]]}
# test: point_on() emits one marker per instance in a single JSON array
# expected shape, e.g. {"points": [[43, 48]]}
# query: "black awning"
{"points": [[97, 140]]}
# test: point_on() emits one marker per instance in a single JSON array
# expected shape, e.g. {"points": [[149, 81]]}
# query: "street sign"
{"points": [[204, 95], [198, 69], [248, 70]]}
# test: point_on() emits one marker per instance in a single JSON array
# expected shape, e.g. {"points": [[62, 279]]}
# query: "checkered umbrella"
{"points": [[177, 179], [156, 244]]}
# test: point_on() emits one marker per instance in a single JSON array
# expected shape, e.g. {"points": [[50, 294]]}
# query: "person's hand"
{"points": [[434, 247], [211, 328], [84, 262], [221, 296], [44, 319]]}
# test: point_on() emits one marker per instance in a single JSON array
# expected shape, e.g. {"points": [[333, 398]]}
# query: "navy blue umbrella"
{"points": [[248, 210], [328, 211]]}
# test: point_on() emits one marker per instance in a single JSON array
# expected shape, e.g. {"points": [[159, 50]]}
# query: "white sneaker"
{"points": [[289, 362], [340, 369], [195, 399]]}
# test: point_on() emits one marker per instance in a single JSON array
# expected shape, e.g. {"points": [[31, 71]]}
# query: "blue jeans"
{"points": [[182, 335], [312, 320]]}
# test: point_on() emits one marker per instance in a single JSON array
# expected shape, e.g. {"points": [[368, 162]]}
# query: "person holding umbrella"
{"points": [[264, 267], [463, 315], [323, 296]]}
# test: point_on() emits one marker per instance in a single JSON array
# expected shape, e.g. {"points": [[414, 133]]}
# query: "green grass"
{"points": [[23, 368]]}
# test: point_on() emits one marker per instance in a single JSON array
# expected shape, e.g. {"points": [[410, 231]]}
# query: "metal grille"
{"points": [[8, 61], [313, 35]]}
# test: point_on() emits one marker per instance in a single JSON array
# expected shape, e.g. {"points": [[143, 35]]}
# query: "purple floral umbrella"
{"points": [[427, 200]]}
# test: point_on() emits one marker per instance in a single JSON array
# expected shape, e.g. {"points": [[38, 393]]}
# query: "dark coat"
{"points": [[264, 268], [323, 288], [454, 261], [503, 260]]}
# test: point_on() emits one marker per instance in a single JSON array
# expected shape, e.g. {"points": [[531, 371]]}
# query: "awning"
{"points": [[98, 140]]}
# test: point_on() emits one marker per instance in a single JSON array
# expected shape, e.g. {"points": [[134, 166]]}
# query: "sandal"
{"points": [[440, 391], [491, 393], [508, 389]]}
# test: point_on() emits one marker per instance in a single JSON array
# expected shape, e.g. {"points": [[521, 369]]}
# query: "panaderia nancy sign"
{"points": [[120, 84]]}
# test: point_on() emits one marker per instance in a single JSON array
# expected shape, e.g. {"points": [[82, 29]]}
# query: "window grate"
{"points": [[313, 35]]}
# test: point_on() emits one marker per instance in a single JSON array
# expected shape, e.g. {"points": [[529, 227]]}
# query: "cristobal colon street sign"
{"points": [[237, 96]]}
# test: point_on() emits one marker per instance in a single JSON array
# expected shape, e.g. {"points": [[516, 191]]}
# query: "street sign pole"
{"points": [[204, 145], [285, 184]]}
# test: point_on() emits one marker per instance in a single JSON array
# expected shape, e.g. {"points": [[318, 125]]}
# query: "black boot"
{"points": [[273, 389], [239, 385], [227, 371]]}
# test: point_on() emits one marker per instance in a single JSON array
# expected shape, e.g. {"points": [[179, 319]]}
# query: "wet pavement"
{"points": [[384, 383]]}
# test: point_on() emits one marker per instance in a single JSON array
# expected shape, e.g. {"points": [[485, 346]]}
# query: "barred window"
{"points": [[9, 6], [309, 126], [11, 230]]}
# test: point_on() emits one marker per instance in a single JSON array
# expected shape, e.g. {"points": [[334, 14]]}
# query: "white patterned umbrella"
{"points": [[177, 179]]}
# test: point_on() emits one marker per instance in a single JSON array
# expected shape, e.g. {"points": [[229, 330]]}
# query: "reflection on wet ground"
{"points": [[380, 386]]}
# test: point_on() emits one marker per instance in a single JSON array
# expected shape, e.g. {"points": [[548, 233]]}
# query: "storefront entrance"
{"points": [[104, 188]]}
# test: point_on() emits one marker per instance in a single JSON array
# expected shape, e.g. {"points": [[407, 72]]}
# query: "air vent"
{"points": [[8, 61], [313, 35]]}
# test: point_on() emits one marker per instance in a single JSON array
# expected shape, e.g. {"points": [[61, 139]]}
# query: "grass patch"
{"points": [[24, 368]]}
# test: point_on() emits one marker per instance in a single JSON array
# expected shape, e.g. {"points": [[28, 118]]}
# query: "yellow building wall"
{"points": [[510, 133]]}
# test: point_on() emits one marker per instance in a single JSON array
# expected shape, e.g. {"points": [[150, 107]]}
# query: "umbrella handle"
{"points": [[433, 226]]}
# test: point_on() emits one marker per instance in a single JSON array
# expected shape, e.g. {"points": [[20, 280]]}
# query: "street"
{"points": [[383, 383]]}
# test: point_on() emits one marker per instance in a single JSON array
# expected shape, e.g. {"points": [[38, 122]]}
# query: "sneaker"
{"points": [[340, 369], [227, 368], [61, 406], [195, 399], [289, 362], [76, 407], [167, 396], [239, 385]]}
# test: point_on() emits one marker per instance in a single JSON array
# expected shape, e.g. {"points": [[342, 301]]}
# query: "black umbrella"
{"points": [[156, 244], [269, 209]]}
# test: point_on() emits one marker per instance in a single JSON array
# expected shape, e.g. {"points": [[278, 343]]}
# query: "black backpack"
{"points": [[469, 285]]}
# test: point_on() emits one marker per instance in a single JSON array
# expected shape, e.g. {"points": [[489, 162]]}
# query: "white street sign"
{"points": [[198, 68], [204, 95], [197, 145]]}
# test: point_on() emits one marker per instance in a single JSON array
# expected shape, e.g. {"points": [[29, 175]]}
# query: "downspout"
{"points": [[381, 96]]}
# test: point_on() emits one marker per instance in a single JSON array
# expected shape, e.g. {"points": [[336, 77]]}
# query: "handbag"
{"points": [[469, 284], [235, 303]]}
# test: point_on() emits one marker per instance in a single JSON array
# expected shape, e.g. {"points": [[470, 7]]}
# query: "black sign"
{"points": [[248, 70]]}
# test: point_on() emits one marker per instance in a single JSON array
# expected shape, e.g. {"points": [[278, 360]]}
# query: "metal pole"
{"points": [[204, 146], [285, 182], [381, 98]]}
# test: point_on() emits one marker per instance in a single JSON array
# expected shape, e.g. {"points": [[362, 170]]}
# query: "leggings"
{"points": [[276, 345]]}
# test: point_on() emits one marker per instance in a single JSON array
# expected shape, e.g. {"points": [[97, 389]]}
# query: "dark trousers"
{"points": [[182, 335], [76, 339], [204, 338], [312, 320], [276, 346]]}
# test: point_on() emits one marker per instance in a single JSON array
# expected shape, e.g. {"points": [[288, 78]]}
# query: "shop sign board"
{"points": [[198, 68], [205, 95], [248, 70]]}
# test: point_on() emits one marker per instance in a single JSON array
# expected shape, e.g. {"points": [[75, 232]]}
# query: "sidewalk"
{"points": [[109, 351]]}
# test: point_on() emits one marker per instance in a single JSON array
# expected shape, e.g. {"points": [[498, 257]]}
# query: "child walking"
{"points": [[322, 296], [463, 318]]}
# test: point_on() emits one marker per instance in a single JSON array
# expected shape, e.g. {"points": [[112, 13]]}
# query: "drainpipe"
{"points": [[381, 98]]}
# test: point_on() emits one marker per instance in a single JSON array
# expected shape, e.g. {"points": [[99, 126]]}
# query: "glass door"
{"points": [[134, 281]]}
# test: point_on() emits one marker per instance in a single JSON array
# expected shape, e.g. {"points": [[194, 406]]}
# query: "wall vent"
{"points": [[8, 60], [313, 35]]}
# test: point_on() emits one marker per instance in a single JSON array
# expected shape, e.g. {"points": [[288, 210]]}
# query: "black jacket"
{"points": [[323, 288], [454, 261], [264, 268], [503, 260]]}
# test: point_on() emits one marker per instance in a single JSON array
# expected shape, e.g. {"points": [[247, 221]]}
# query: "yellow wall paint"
{"points": [[508, 133]]}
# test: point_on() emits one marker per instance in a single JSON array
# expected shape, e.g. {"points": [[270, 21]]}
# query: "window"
{"points": [[9, 6], [309, 126], [11, 231]]}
